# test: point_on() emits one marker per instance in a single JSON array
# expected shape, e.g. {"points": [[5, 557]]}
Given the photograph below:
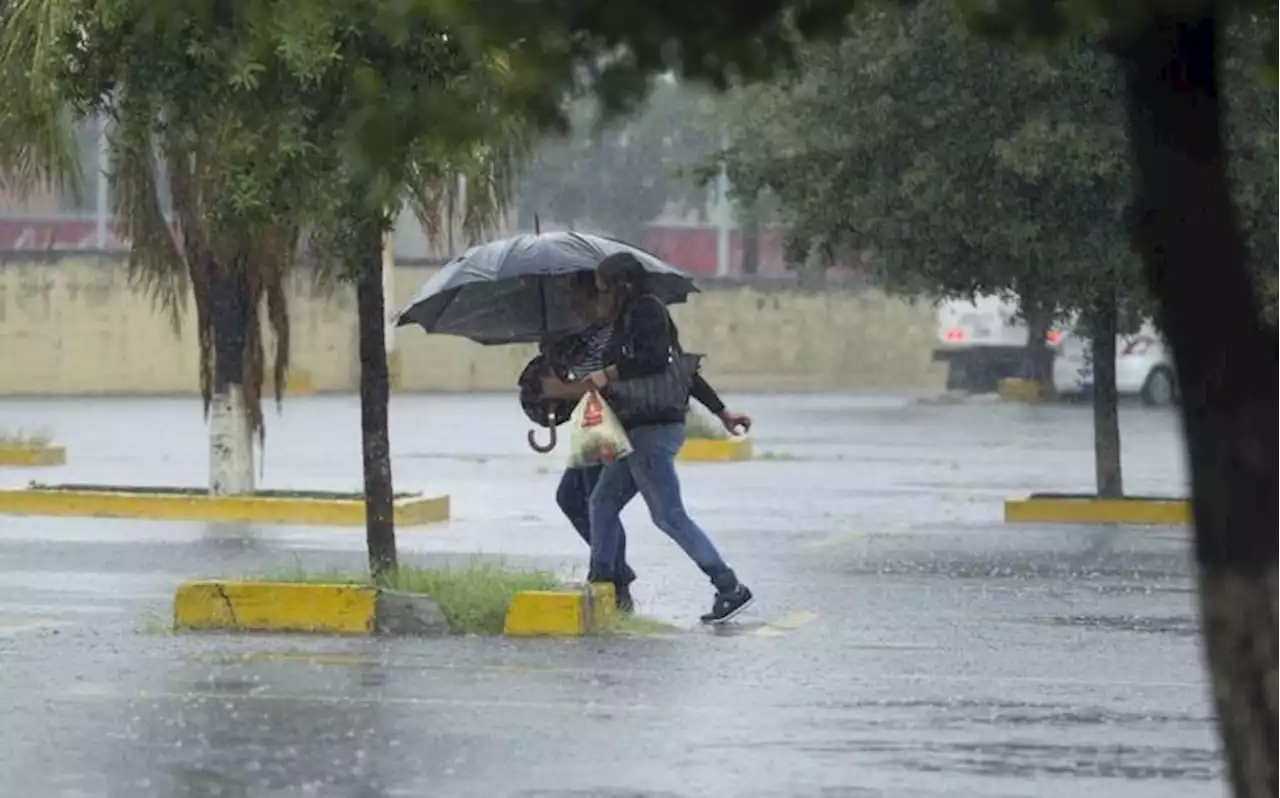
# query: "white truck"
{"points": [[984, 341]]}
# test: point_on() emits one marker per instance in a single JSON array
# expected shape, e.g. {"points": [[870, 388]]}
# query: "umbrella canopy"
{"points": [[519, 289]]}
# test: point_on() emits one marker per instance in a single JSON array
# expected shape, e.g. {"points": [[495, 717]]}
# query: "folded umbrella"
{"points": [[519, 289]]}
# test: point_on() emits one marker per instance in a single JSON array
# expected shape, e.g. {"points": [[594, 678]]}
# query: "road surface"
{"points": [[905, 641]]}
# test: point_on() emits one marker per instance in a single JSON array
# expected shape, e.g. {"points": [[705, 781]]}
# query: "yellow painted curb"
{"points": [[91, 502], [704, 450], [569, 612], [20, 455], [1086, 510], [298, 382], [275, 607], [1018, 390]]}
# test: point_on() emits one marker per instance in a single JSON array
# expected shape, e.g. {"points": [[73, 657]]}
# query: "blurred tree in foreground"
{"points": [[1187, 229]]}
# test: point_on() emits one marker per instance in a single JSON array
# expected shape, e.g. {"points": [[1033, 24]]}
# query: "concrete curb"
{"points": [[21, 456], [571, 611], [1064, 509], [178, 505], [247, 606], [728, 450], [1013, 389]]}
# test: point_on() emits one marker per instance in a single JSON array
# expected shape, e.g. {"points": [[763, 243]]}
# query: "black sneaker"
{"points": [[728, 605], [626, 604]]}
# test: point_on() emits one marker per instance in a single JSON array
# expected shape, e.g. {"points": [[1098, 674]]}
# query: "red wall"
{"points": [[693, 249]]}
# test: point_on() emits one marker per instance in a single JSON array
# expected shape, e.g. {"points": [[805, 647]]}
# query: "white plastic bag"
{"points": [[701, 425], [595, 435]]}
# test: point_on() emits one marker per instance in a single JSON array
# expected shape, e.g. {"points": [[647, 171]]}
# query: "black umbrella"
{"points": [[518, 289]]}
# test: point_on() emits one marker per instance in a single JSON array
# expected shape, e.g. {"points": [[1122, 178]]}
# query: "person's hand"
{"points": [[555, 388], [553, 385], [734, 421], [597, 380]]}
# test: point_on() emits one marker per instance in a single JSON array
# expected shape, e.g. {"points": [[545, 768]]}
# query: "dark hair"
{"points": [[625, 275]]}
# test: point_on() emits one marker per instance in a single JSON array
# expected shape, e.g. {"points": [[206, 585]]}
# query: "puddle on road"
{"points": [[1018, 760], [1173, 625], [966, 713]]}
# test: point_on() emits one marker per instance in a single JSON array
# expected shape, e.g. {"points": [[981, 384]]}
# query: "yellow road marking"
{"points": [[831, 541], [844, 538], [785, 625]]}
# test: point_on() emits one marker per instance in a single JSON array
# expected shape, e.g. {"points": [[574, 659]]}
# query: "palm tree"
{"points": [[323, 128], [37, 140], [233, 261], [231, 169]]}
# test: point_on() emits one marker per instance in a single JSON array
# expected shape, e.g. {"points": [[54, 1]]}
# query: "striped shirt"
{"points": [[595, 340]]}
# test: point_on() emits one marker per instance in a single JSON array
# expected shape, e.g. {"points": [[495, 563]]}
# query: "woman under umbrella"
{"points": [[643, 343]]}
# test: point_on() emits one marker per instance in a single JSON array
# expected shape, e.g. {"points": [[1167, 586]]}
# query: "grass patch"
{"points": [[474, 598], [35, 439]]}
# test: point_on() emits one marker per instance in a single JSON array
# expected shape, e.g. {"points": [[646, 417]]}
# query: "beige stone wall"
{"points": [[73, 326]]}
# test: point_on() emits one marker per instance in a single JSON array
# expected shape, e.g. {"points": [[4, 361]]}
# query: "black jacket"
{"points": [[643, 338]]}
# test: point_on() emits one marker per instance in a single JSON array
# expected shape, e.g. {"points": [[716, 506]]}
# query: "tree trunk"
{"points": [[380, 530], [230, 434], [1037, 362], [751, 242], [1225, 355], [813, 272], [1103, 324]]}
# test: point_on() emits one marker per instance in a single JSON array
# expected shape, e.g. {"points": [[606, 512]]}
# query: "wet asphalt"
{"points": [[905, 642]]}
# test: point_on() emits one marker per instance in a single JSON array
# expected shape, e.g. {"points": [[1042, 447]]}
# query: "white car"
{"points": [[1144, 367]]}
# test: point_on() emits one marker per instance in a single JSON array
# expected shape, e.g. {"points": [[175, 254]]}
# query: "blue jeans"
{"points": [[650, 470], [574, 497]]}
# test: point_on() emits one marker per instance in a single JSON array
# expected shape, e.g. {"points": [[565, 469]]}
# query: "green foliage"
{"points": [[269, 117], [965, 166], [614, 49]]}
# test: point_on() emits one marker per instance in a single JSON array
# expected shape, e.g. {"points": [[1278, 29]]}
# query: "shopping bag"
{"points": [[595, 435]]}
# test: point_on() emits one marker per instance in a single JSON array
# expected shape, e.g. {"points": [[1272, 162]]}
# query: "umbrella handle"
{"points": [[551, 441]]}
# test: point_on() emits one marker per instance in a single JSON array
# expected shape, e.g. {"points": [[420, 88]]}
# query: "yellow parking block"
{"points": [[1013, 389], [22, 455], [104, 501], [1091, 510], [568, 612], [275, 607], [705, 450]]}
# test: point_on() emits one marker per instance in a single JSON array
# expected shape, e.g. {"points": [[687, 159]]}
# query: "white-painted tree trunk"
{"points": [[389, 287], [230, 445]]}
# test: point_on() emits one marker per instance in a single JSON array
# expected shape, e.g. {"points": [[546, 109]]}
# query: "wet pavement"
{"points": [[905, 642]]}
